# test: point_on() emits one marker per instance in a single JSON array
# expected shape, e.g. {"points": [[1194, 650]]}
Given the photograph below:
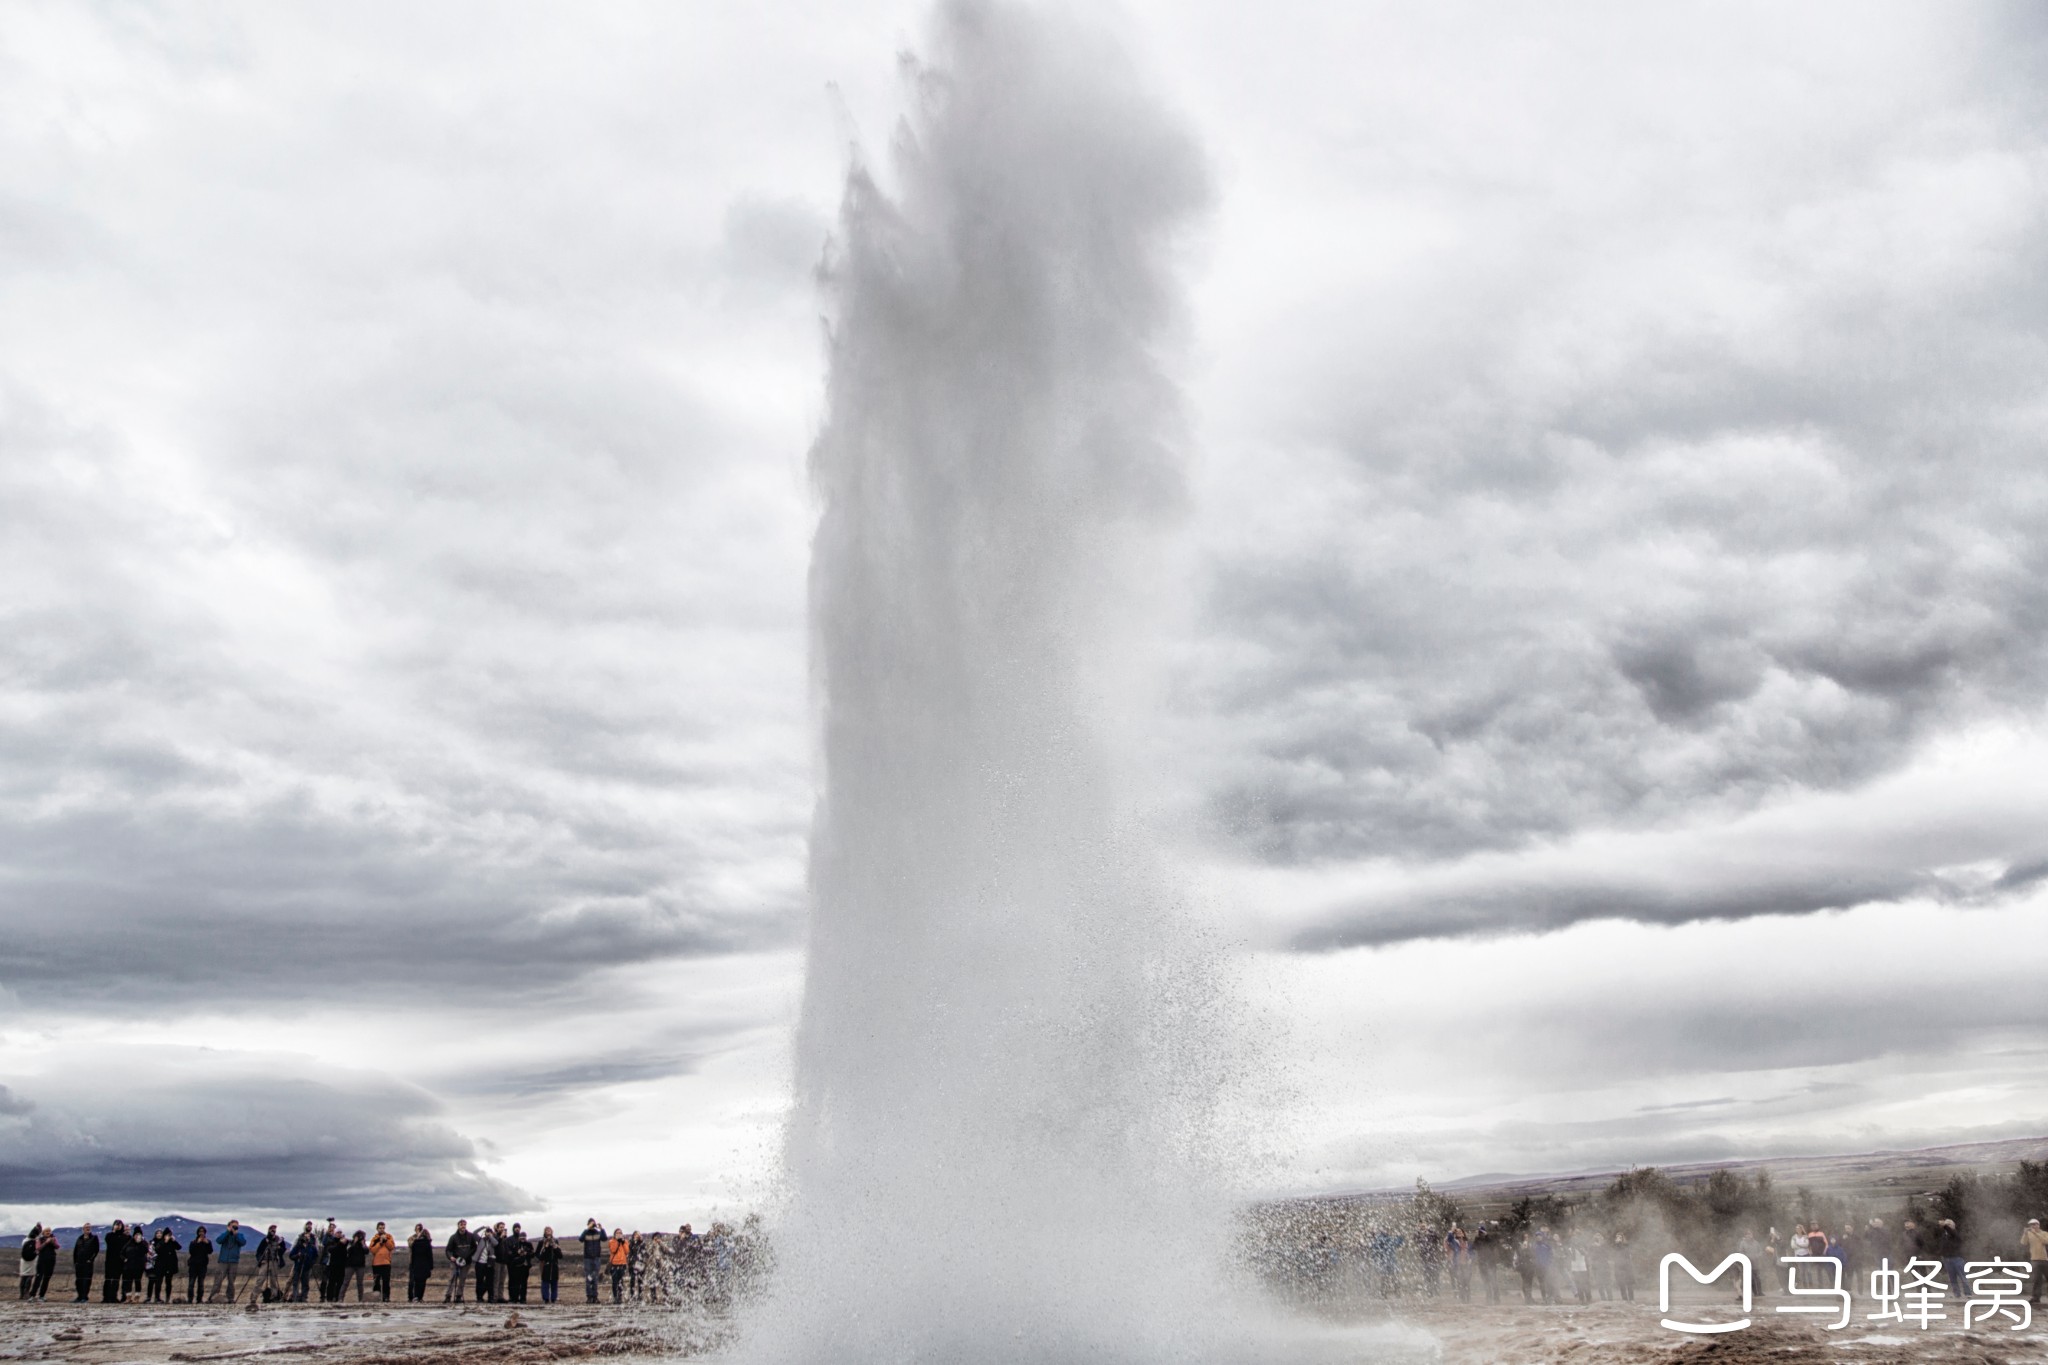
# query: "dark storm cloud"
{"points": [[1712, 490], [190, 1128]]}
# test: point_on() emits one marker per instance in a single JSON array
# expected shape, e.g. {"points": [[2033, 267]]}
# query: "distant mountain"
{"points": [[1918, 1168], [181, 1228]]}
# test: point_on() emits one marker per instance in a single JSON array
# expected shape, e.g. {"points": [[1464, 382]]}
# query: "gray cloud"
{"points": [[1647, 504], [402, 516], [1537, 907], [196, 1129]]}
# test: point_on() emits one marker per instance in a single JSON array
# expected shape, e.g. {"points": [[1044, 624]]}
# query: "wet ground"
{"points": [[1468, 1334], [1611, 1333]]}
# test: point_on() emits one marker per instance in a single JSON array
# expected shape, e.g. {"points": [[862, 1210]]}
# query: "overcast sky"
{"points": [[1604, 704]]}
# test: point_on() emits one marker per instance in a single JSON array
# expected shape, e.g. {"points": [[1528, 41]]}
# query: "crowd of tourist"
{"points": [[1486, 1260], [1581, 1265], [499, 1264]]}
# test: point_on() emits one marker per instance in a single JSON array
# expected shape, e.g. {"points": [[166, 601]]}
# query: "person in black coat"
{"points": [[46, 1264], [549, 1254], [199, 1259], [419, 1254], [517, 1252], [136, 1264], [305, 1255], [333, 1265], [117, 1261], [355, 1255], [163, 1275], [85, 1253]]}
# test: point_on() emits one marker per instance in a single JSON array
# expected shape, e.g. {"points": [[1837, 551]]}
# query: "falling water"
{"points": [[1001, 1141]]}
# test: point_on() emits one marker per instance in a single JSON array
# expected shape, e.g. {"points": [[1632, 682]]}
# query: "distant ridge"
{"points": [[1890, 1164], [181, 1228]]}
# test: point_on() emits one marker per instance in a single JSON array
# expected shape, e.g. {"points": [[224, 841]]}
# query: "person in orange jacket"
{"points": [[380, 1262], [621, 1252]]}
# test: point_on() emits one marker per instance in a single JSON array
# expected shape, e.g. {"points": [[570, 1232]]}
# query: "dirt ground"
{"points": [[347, 1334], [1466, 1334], [1616, 1332]]}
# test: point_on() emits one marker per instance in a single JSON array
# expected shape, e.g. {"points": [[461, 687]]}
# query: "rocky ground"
{"points": [[349, 1334], [1612, 1333], [1464, 1334]]}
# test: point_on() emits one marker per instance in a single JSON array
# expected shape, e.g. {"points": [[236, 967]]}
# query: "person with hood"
{"points": [[272, 1257], [419, 1262], [227, 1254], [461, 1246], [549, 1254], [592, 1238], [198, 1260], [163, 1271], [117, 1258], [305, 1256], [135, 1268], [382, 1244], [355, 1263], [85, 1254]]}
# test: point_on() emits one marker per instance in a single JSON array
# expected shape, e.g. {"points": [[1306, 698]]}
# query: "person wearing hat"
{"points": [[2034, 1243]]}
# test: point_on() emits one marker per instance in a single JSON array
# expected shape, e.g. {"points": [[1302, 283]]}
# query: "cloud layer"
{"points": [[1621, 475], [194, 1129], [1646, 488]]}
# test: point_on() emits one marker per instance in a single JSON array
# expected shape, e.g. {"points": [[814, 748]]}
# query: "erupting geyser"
{"points": [[1006, 1055]]}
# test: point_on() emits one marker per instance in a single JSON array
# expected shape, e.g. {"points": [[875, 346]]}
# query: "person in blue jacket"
{"points": [[227, 1254]]}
